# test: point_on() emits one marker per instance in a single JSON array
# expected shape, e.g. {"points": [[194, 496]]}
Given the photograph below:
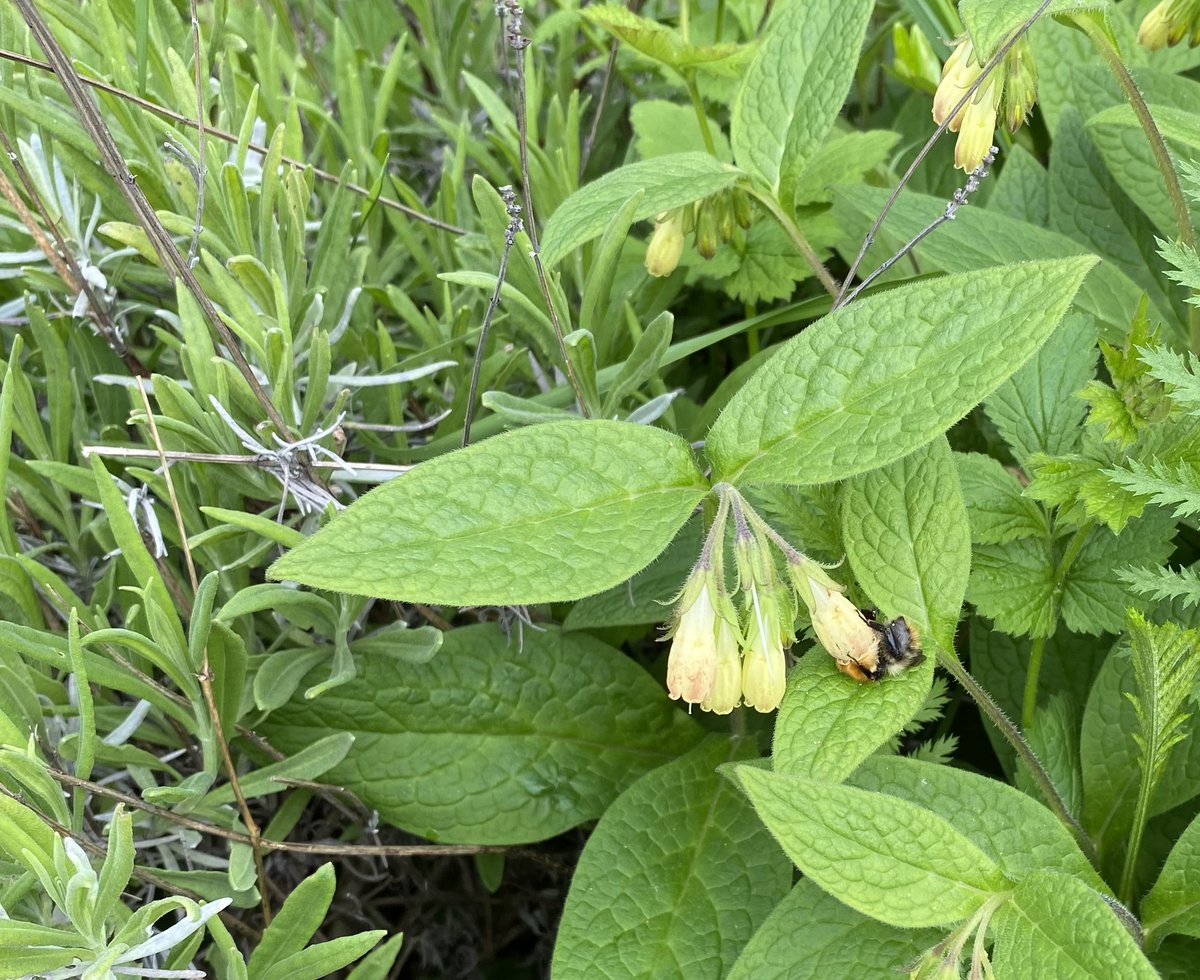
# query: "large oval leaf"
{"points": [[676, 877], [544, 514], [875, 380], [492, 742]]}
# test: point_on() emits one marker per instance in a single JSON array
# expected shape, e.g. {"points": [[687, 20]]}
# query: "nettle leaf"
{"points": [[1160, 584], [997, 509], [664, 44], [828, 722], [842, 398], [813, 936], [1172, 906], [667, 182], [795, 86], [1012, 828], [491, 742], [1180, 372], [883, 856], [1036, 410], [991, 21], [541, 514], [1012, 584], [675, 878], [1057, 928], [907, 538]]}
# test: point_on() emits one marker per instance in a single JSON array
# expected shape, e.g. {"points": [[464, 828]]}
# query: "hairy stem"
{"points": [[793, 232], [995, 714], [701, 117]]}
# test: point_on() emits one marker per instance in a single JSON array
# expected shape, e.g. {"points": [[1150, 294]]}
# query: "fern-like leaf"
{"points": [[1180, 371], [1161, 584], [1185, 266], [1166, 660], [1177, 486]]}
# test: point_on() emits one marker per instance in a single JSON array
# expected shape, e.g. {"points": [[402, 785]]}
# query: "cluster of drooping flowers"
{"points": [[723, 654], [711, 221], [1007, 94], [1169, 23]]}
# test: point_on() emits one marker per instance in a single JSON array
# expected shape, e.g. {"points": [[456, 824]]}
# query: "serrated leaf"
{"points": [[1057, 928], [1172, 906], [668, 182], [1037, 410], [1180, 371], [1162, 584], [813, 936], [1012, 828], [840, 399], [507, 744], [664, 44], [1176, 487], [663, 128], [1013, 585], [541, 514], [906, 535], [765, 268], [795, 86], [828, 723], [997, 509], [883, 856], [675, 878]]}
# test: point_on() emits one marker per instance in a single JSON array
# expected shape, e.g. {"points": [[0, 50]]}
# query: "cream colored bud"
{"points": [[978, 128], [727, 686], [958, 75], [764, 669], [1155, 32], [666, 244], [692, 663], [842, 630]]}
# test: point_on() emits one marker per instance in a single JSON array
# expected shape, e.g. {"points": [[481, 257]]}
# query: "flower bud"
{"points": [[763, 664], [726, 691], [666, 244], [958, 75], [1169, 23], [915, 62], [978, 127], [742, 210], [706, 229], [1020, 85], [692, 663], [839, 627]]}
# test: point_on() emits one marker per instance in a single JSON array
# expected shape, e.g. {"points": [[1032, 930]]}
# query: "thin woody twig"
{"points": [[510, 14], [227, 137], [510, 236], [215, 830]]}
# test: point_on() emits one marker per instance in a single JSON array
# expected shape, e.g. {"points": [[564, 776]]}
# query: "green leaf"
{"points": [[378, 964], [883, 856], [991, 21], [317, 756], [765, 268], [842, 398], [541, 514], [675, 878], [813, 936], [843, 158], [1057, 928], [647, 597], [1181, 372], [296, 922], [795, 87], [1037, 410], [1172, 906], [1010, 827], [663, 44], [997, 509], [1013, 585], [507, 744], [323, 959], [1162, 584], [907, 537], [979, 239], [662, 128], [668, 182], [828, 722]]}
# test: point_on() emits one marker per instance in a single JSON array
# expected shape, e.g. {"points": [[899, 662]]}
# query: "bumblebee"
{"points": [[897, 648]]}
